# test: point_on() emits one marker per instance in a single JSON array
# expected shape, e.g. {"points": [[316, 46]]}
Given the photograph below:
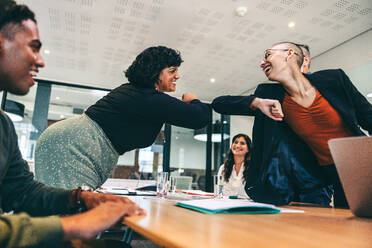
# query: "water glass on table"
{"points": [[173, 183], [218, 186], [162, 184]]}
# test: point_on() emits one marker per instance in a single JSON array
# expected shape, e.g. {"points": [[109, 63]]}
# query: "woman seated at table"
{"points": [[234, 170], [83, 150]]}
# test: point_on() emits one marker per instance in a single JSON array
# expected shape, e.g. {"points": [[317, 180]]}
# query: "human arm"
{"points": [[21, 230], [88, 224], [193, 114], [19, 191], [246, 105]]}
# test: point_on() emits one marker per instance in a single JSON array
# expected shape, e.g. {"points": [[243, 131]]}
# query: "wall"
{"points": [[354, 57]]}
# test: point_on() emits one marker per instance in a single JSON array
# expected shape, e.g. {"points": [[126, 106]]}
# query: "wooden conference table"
{"points": [[172, 226]]}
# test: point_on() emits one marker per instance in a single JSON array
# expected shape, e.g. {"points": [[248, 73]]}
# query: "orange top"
{"points": [[316, 125]]}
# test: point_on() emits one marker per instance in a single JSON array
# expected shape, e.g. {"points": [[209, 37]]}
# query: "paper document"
{"points": [[197, 192], [229, 206], [124, 191]]}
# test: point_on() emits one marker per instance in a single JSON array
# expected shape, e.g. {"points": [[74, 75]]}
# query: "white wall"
{"points": [[354, 57]]}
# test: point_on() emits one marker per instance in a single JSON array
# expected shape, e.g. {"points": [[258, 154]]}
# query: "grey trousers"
{"points": [[74, 152]]}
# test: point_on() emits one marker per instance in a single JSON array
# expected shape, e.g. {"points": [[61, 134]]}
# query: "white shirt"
{"points": [[235, 185]]}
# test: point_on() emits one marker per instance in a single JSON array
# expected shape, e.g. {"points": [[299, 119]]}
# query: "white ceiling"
{"points": [[91, 42]]}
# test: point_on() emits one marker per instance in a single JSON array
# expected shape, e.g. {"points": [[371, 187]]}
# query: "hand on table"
{"points": [[92, 200], [88, 224]]}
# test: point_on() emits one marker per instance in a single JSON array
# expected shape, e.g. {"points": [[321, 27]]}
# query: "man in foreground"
{"points": [[20, 60]]}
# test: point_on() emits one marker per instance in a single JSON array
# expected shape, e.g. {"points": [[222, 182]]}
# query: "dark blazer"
{"points": [[283, 167]]}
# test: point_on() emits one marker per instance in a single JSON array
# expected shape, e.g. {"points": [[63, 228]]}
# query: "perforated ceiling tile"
{"points": [[339, 16], [263, 5], [365, 11], [277, 10], [315, 20], [354, 7], [341, 4], [138, 5], [120, 10], [286, 2], [327, 12], [87, 3], [122, 2], [290, 13], [300, 4]]}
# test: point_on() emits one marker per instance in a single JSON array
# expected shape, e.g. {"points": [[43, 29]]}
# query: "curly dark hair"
{"points": [[145, 69], [11, 17], [229, 161]]}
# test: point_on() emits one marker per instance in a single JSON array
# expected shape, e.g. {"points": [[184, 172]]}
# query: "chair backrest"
{"points": [[183, 182]]}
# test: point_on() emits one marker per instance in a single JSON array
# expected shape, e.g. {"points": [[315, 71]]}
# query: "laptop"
{"points": [[353, 161]]}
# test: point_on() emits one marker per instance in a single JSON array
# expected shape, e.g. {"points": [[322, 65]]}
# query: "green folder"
{"points": [[228, 206]]}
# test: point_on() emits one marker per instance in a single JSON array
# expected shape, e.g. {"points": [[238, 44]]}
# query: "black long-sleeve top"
{"points": [[131, 117]]}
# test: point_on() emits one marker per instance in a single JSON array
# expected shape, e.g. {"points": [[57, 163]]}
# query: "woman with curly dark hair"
{"points": [[233, 172], [85, 149]]}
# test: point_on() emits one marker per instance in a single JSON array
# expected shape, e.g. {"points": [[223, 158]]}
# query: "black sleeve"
{"points": [[193, 115], [233, 105], [363, 108], [19, 191]]}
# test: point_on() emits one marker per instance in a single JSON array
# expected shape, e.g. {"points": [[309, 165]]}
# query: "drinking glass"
{"points": [[218, 186], [162, 184], [173, 183]]}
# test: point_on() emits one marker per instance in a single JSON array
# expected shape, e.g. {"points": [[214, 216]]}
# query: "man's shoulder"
{"points": [[5, 122]]}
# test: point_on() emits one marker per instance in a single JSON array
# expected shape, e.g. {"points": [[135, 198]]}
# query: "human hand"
{"points": [[188, 97], [92, 200], [271, 108], [88, 224]]}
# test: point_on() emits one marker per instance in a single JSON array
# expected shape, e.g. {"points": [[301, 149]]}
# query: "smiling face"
{"points": [[280, 58], [167, 79], [239, 147], [20, 59], [274, 60]]}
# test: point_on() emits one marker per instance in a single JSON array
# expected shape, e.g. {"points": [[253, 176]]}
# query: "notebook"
{"points": [[353, 161], [228, 206]]}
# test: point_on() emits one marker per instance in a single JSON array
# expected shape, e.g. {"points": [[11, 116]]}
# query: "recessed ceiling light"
{"points": [[212, 80], [291, 25], [369, 95], [62, 116], [241, 11], [57, 98], [46, 51]]}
